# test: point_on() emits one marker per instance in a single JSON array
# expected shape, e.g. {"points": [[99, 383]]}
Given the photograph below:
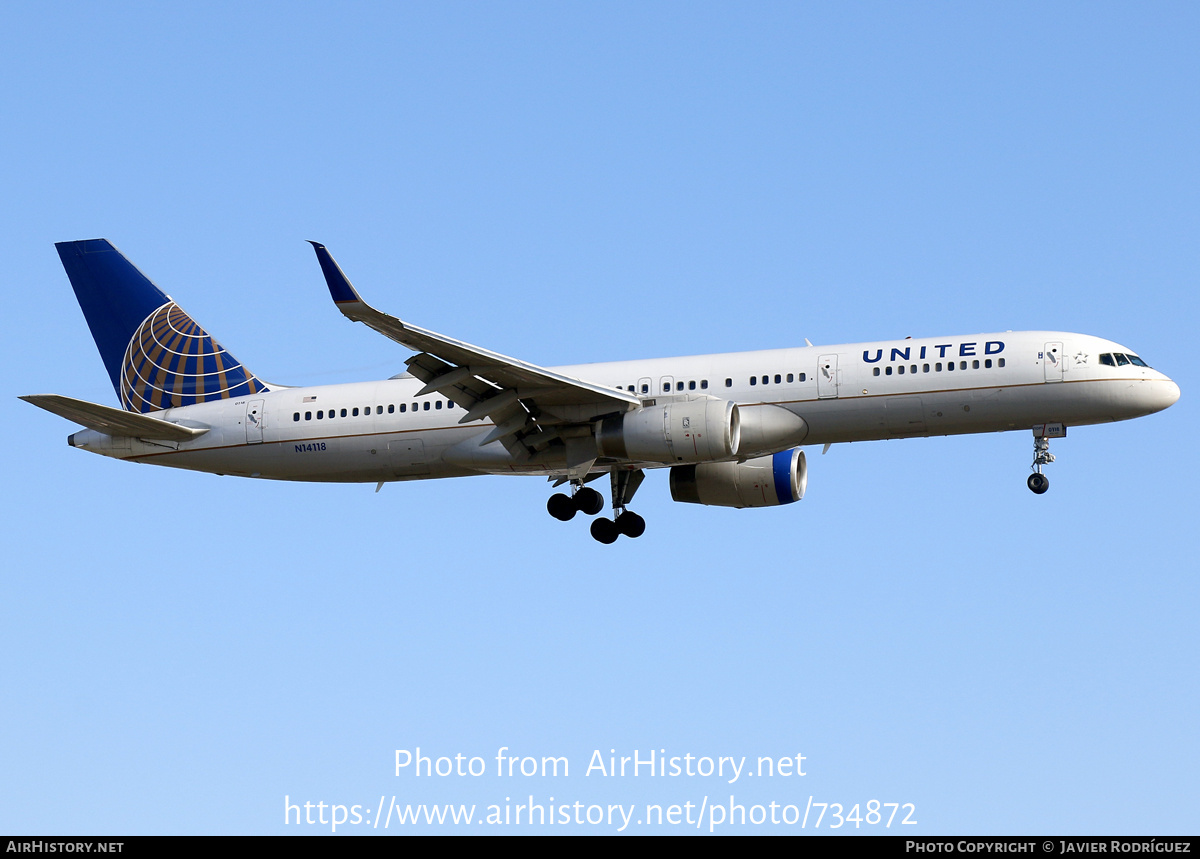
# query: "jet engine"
{"points": [[693, 430], [766, 481], [767, 428]]}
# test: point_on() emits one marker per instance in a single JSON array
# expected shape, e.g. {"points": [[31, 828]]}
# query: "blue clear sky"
{"points": [[569, 183]]}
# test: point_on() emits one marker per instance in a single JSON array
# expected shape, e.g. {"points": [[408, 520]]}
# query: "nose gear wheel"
{"points": [[1038, 483]]}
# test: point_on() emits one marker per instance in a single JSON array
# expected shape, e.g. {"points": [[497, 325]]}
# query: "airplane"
{"points": [[728, 426]]}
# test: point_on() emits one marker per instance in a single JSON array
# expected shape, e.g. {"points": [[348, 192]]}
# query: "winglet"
{"points": [[339, 285]]}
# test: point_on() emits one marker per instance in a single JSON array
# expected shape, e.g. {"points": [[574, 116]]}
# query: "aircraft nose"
{"points": [[1160, 393], [1169, 393]]}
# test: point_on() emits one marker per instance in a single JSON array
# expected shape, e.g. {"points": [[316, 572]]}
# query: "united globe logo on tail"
{"points": [[172, 361], [156, 356]]}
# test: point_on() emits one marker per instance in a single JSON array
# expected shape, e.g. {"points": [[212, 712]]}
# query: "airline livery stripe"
{"points": [[781, 465]]}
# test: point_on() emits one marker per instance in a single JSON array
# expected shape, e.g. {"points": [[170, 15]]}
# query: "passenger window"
{"points": [[754, 380], [924, 368], [949, 366], [427, 405], [438, 404], [766, 379], [937, 368], [379, 410], [803, 376], [900, 369], [691, 386], [320, 414], [704, 384], [789, 378], [296, 416], [308, 416], [666, 387], [987, 364], [876, 370], [355, 412], [888, 372], [679, 386], [729, 383], [645, 389], [1000, 362], [392, 408], [975, 364], [962, 365], [778, 378]]}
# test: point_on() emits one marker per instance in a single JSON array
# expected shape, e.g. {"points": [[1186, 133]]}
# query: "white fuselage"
{"points": [[382, 431]]}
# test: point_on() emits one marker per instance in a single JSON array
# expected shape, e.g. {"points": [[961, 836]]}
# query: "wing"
{"points": [[110, 421], [530, 406]]}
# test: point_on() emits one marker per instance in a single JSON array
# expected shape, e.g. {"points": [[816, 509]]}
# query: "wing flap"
{"points": [[110, 421]]}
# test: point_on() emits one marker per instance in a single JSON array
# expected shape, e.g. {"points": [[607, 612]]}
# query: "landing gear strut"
{"points": [[1038, 482], [586, 500], [624, 484]]}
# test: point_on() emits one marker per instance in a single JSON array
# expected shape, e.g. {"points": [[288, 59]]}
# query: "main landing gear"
{"points": [[1038, 483], [589, 501], [583, 500]]}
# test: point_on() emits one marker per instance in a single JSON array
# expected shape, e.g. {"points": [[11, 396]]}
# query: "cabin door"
{"points": [[827, 376], [1052, 361], [254, 422]]}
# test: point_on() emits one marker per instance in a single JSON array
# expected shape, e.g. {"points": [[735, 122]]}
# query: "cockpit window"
{"points": [[1116, 359]]}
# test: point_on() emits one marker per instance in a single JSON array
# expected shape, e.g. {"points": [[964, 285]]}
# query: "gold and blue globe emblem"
{"points": [[172, 361]]}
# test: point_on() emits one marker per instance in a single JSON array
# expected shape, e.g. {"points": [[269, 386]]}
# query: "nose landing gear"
{"points": [[1042, 433]]}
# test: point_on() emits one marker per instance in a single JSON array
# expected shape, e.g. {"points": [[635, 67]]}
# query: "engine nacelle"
{"points": [[694, 430], [763, 482], [767, 428]]}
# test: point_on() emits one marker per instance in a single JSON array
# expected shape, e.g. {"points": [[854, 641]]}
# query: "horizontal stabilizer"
{"points": [[110, 421]]}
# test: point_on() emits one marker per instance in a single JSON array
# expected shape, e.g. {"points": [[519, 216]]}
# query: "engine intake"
{"points": [[702, 429], [766, 481]]}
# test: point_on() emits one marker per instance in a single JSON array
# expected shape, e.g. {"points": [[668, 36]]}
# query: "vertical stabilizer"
{"points": [[156, 355]]}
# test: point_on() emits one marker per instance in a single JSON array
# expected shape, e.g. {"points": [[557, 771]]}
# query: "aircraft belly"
{"points": [[968, 411], [346, 459]]}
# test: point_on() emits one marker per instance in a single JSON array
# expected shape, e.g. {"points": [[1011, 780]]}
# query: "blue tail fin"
{"points": [[155, 354]]}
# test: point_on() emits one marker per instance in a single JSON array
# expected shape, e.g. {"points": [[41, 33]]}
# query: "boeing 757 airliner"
{"points": [[729, 427]]}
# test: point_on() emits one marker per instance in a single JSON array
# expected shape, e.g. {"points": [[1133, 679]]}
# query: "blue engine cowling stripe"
{"points": [[781, 466]]}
